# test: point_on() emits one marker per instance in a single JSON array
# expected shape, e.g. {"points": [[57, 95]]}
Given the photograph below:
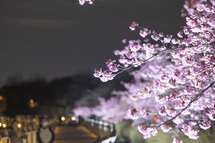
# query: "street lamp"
{"points": [[73, 118], [19, 125], [63, 118], [4, 125]]}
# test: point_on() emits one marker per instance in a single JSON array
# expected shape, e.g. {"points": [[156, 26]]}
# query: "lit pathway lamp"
{"points": [[73, 118], [4, 125], [63, 118], [19, 125]]}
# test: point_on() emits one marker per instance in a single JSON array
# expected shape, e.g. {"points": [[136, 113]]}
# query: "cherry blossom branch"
{"points": [[154, 55], [189, 104]]}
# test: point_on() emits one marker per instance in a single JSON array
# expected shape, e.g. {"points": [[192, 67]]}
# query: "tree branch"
{"points": [[196, 98]]}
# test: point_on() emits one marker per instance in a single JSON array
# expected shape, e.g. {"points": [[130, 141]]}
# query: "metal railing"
{"points": [[101, 129], [27, 124]]}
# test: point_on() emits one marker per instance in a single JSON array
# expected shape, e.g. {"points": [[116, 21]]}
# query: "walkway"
{"points": [[73, 134]]}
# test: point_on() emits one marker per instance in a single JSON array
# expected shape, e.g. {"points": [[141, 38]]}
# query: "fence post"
{"points": [[5, 140], [34, 136]]}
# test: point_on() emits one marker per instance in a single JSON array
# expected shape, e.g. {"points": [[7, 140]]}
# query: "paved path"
{"points": [[73, 134]]}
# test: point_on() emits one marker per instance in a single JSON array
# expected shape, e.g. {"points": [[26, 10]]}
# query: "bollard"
{"points": [[34, 136], [28, 136], [24, 140], [5, 140]]}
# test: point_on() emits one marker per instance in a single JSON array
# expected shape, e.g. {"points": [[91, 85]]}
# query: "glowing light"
{"points": [[0, 124], [100, 122], [19, 125], [63, 118], [4, 125], [1, 98], [31, 101], [73, 118], [154, 119], [106, 124]]}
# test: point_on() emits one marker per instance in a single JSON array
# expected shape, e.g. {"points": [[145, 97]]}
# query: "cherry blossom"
{"points": [[175, 76], [165, 128], [132, 113], [147, 132], [111, 110], [82, 2], [82, 111], [205, 125], [176, 141], [133, 26], [190, 131], [176, 86]]}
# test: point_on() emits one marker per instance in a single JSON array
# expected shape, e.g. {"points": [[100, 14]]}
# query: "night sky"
{"points": [[57, 38]]}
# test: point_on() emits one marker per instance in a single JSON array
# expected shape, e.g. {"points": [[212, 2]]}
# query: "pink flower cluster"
{"points": [[176, 141], [111, 110], [190, 131], [82, 111], [82, 2], [176, 76], [147, 132]]}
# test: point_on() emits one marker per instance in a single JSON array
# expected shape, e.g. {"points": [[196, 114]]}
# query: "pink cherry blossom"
{"points": [[133, 26], [180, 34], [147, 132], [205, 125], [176, 141], [167, 39], [190, 131], [132, 113], [97, 73], [165, 128], [83, 111], [178, 120], [82, 2], [174, 77], [144, 32]]}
